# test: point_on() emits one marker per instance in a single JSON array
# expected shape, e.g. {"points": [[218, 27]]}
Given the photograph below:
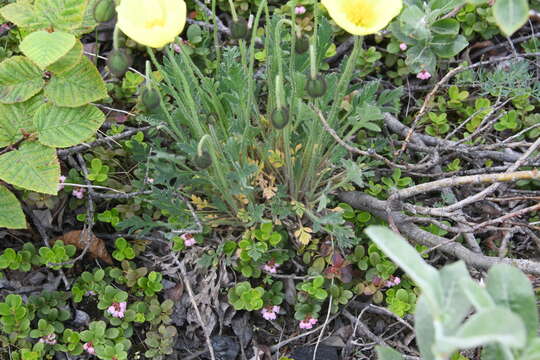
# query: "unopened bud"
{"points": [[239, 29], [119, 62], [203, 161], [280, 117], [150, 98], [316, 87], [302, 44], [104, 10]]}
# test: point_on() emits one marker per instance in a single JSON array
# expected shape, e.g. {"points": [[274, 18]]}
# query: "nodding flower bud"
{"points": [[302, 44], [203, 160], [239, 29], [119, 62], [316, 87], [280, 117], [104, 10], [150, 98]]}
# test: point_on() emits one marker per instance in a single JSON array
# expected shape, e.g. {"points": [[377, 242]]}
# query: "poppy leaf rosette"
{"points": [[363, 17], [153, 23]]}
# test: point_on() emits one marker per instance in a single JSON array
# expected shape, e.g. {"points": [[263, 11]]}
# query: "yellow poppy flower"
{"points": [[153, 23], [363, 17]]}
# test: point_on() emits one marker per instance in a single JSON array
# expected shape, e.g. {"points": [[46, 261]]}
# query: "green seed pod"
{"points": [[204, 161], [280, 117], [119, 62], [316, 87], [104, 10], [150, 98], [301, 45], [239, 29]]}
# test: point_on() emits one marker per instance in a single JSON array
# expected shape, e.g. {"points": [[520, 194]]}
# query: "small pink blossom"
{"points": [[270, 267], [121, 118], [299, 10], [117, 310], [423, 75], [48, 339], [61, 181], [78, 193], [403, 46], [176, 48], [393, 281], [270, 312], [308, 323], [4, 27], [150, 180], [90, 293], [188, 238], [89, 348]]}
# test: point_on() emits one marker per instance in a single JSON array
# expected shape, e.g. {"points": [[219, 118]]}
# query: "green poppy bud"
{"points": [[104, 10], [316, 87], [203, 161], [150, 98], [239, 29], [119, 62], [302, 44], [280, 117]]}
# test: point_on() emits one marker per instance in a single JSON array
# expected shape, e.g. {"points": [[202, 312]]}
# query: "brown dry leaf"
{"points": [[97, 247]]}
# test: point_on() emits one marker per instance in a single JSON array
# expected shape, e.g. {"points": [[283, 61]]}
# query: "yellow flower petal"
{"points": [[362, 17], [153, 23]]}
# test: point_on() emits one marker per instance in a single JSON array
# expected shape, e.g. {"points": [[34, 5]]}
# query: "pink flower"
{"points": [[89, 347], [121, 118], [403, 46], [61, 181], [423, 75], [299, 10], [78, 193], [270, 267], [270, 312], [308, 323], [48, 339], [150, 180], [188, 238], [393, 281], [176, 48], [117, 310]]}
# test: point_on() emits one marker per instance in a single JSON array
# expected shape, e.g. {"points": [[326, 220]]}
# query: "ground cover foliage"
{"points": [[278, 181]]}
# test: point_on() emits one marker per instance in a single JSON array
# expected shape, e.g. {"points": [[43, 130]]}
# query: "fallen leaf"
{"points": [[97, 246], [303, 235]]}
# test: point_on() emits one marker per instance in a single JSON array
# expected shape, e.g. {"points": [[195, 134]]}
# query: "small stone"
{"points": [[225, 348], [323, 353]]}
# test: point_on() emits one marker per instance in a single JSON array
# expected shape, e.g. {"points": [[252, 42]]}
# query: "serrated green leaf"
{"points": [[510, 288], [45, 48], [62, 15], [68, 61], [16, 119], [33, 167], [63, 127], [23, 15], [510, 15], [11, 214], [20, 79], [88, 23], [78, 86]]}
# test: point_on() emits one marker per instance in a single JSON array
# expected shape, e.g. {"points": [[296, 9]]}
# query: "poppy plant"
{"points": [[153, 23], [362, 17]]}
